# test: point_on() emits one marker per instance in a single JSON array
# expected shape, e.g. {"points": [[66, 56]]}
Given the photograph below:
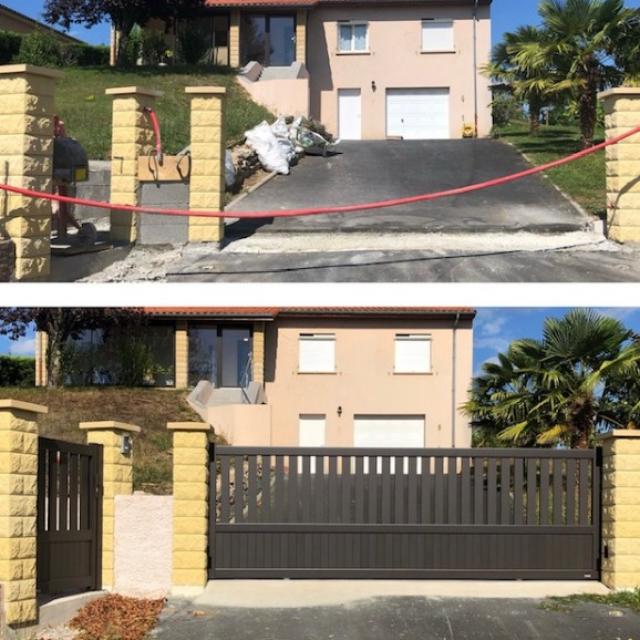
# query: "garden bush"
{"points": [[84, 55], [154, 47], [194, 43], [41, 49], [17, 371], [9, 46]]}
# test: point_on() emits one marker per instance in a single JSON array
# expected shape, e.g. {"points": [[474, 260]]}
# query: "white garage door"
{"points": [[418, 114], [349, 114]]}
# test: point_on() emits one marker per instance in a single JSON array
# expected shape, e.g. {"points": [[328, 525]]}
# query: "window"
{"points": [[353, 37], [437, 35], [413, 353], [312, 428], [317, 353]]}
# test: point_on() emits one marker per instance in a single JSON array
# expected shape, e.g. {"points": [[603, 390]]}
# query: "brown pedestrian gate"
{"points": [[69, 517], [404, 513]]}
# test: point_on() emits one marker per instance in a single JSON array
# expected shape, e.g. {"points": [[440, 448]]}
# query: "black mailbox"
{"points": [[70, 163]]}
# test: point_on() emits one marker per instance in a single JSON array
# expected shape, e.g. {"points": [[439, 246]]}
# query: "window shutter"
{"points": [[413, 354], [437, 35], [317, 353]]}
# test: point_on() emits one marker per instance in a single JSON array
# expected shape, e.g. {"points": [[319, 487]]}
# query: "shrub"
{"points": [[505, 108], [194, 42], [84, 55], [17, 371], [41, 49], [154, 46], [9, 46], [132, 49]]}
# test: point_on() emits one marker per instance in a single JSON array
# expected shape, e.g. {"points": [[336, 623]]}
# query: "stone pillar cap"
{"points": [[620, 433], [619, 91], [189, 426], [31, 69], [109, 425], [134, 91], [206, 90], [23, 406]]}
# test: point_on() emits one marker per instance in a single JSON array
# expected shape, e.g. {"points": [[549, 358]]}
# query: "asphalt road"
{"points": [[380, 170], [401, 618]]}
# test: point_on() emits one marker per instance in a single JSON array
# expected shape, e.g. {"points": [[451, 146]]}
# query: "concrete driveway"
{"points": [[379, 170]]}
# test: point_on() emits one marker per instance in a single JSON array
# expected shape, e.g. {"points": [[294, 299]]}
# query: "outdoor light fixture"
{"points": [[373, 85], [126, 446], [339, 412]]}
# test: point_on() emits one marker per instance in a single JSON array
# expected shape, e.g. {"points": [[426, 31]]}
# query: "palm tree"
{"points": [[558, 390], [530, 78]]}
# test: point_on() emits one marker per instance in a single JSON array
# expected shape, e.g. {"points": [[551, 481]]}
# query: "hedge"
{"points": [[17, 371], [9, 46]]}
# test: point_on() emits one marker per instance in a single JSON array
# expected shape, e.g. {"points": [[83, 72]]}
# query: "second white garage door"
{"points": [[391, 432], [418, 114]]}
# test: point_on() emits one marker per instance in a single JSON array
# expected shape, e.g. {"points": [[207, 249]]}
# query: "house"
{"points": [[367, 69], [306, 377], [11, 20]]}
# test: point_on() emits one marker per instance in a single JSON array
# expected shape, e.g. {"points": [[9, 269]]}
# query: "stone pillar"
{"points": [[132, 138], [207, 185], [190, 504], [234, 39], [621, 509], [182, 355], [258, 352], [18, 510], [26, 152], [622, 112], [117, 480], [42, 345], [301, 36]]}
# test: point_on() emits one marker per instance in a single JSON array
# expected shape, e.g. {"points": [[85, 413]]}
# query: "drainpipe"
{"points": [[475, 64], [454, 407]]}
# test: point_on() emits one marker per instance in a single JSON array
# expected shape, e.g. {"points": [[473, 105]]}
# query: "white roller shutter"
{"points": [[413, 353], [317, 353], [418, 114]]}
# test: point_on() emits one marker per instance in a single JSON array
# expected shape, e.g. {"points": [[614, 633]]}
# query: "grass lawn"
{"points": [[150, 409], [584, 180], [622, 599], [86, 110]]}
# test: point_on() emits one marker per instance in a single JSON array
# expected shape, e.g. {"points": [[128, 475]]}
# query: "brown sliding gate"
{"points": [[69, 517], [435, 513]]}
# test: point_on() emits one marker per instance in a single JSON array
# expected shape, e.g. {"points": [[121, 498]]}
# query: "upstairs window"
{"points": [[353, 37], [413, 353], [317, 353], [437, 35]]}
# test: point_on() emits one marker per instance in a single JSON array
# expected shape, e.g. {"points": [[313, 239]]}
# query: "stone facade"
{"points": [[26, 152], [207, 185], [132, 138], [258, 352], [190, 503], [301, 36], [621, 509], [117, 479], [234, 39], [18, 510], [182, 355], [622, 113]]}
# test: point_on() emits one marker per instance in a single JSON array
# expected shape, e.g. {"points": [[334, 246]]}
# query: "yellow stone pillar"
{"points": [[132, 138], [621, 509], [301, 36], [190, 504], [234, 39], [117, 479], [42, 346], [182, 355], [207, 185], [622, 112], [26, 152], [258, 352], [18, 510]]}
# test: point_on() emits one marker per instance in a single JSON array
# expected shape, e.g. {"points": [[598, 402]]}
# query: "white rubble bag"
{"points": [[272, 155], [229, 170]]}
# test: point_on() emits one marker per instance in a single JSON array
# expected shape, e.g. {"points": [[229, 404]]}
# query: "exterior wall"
{"points": [[242, 424], [143, 569], [234, 39], [258, 351], [182, 355], [621, 509], [287, 96], [395, 61], [301, 36], [16, 22]]}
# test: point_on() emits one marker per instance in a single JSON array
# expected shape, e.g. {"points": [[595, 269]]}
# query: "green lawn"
{"points": [[86, 110], [584, 180]]}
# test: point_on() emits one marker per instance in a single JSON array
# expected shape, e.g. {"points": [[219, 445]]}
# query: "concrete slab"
{"points": [[296, 594], [59, 611], [380, 170]]}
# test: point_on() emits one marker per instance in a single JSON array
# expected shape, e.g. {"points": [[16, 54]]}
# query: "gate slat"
{"points": [[545, 470], [52, 486], [492, 490], [307, 495], [386, 490], [465, 498], [505, 491], [293, 489], [439, 486], [452, 491], [398, 479], [73, 492], [583, 505], [225, 490], [85, 498], [571, 492], [238, 488], [279, 504], [518, 490], [557, 492], [425, 490], [319, 484], [359, 499], [412, 513], [252, 493], [478, 490], [333, 489], [346, 490], [63, 496], [266, 488], [372, 509], [532, 491]]}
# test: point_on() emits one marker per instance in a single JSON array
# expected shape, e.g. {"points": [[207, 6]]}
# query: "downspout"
{"points": [[454, 407], [475, 65]]}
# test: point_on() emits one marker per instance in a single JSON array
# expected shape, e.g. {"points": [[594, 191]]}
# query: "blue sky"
{"points": [[507, 15]]}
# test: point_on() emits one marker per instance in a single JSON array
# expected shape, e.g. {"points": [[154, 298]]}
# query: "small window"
{"points": [[317, 353], [413, 353], [437, 35], [353, 37]]}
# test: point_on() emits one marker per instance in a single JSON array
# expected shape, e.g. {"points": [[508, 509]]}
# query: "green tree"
{"points": [[560, 389]]}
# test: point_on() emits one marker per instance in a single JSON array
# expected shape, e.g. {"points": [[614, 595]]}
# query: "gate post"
{"points": [[621, 509], [117, 479], [18, 510], [132, 138], [26, 152], [622, 112], [207, 184], [190, 504]]}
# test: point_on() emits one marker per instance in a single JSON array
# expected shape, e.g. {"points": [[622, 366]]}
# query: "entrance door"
{"points": [[235, 345], [349, 114], [269, 40], [418, 114]]}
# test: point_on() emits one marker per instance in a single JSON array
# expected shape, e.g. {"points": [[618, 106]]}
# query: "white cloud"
{"points": [[23, 347]]}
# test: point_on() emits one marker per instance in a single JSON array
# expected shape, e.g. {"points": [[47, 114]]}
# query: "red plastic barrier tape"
{"points": [[348, 208]]}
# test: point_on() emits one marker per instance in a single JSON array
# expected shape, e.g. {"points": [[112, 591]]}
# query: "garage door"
{"points": [[401, 432], [349, 114], [418, 114]]}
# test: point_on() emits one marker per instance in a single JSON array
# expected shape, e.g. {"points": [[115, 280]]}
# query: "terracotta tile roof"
{"points": [[273, 312], [310, 3]]}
